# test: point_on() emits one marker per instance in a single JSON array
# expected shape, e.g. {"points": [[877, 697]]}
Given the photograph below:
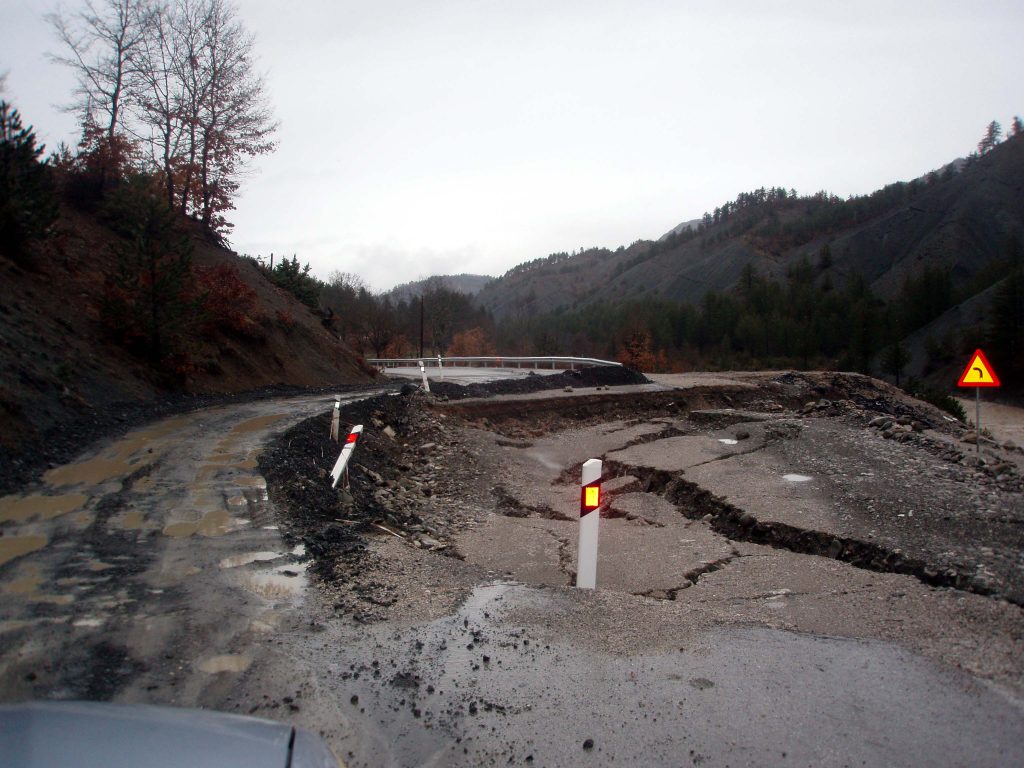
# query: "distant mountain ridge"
{"points": [[960, 219], [471, 285]]}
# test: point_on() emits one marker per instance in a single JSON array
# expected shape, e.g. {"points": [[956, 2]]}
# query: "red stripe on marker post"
{"points": [[590, 501], [346, 453]]}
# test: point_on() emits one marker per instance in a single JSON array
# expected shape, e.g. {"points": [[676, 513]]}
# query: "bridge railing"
{"points": [[553, 363]]}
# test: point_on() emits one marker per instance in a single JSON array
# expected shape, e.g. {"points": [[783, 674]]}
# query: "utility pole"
{"points": [[421, 325]]}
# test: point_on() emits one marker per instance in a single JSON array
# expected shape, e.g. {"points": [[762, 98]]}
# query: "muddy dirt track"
{"points": [[795, 569]]}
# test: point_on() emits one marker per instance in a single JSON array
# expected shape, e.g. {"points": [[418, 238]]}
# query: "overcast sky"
{"points": [[425, 137]]}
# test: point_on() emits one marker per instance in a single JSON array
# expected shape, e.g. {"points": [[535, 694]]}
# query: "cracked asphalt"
{"points": [[764, 593]]}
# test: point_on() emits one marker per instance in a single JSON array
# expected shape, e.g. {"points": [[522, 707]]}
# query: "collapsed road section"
{"points": [[768, 511]]}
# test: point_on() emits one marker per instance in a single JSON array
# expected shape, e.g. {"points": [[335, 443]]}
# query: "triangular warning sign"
{"points": [[979, 372]]}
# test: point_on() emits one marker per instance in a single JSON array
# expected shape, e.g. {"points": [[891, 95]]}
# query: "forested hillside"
{"points": [[117, 289], [774, 278], [770, 279]]}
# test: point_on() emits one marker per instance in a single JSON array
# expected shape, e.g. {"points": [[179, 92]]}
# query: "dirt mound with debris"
{"points": [[393, 478], [595, 376]]}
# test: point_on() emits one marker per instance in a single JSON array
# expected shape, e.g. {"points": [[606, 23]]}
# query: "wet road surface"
{"points": [[152, 563], [153, 570]]}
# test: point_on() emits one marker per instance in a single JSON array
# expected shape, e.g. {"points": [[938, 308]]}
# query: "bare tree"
{"points": [[178, 77], [102, 42], [235, 120], [158, 94]]}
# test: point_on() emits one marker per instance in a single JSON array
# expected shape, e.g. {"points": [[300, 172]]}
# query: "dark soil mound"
{"points": [[596, 376]]}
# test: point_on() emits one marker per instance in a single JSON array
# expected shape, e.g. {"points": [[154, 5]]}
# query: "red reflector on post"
{"points": [[590, 498], [352, 437]]}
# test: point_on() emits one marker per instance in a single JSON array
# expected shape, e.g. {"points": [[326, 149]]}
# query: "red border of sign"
{"points": [[984, 360]]}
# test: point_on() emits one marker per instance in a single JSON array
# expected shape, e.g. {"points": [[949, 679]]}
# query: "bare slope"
{"points": [[59, 368]]}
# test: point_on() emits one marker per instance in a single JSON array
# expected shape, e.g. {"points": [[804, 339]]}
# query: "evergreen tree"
{"points": [[148, 300], [27, 204], [1006, 326], [992, 136]]}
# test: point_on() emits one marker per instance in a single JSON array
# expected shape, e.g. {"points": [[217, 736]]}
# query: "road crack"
{"points": [[736, 524]]}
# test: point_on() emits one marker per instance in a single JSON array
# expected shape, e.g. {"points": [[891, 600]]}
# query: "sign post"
{"points": [[423, 373], [336, 420], [978, 373], [590, 520]]}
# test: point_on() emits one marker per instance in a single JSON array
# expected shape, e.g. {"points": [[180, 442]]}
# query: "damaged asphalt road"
{"points": [[795, 569]]}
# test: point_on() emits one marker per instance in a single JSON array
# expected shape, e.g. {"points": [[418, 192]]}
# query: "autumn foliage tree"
{"points": [[169, 88], [635, 351], [473, 342]]}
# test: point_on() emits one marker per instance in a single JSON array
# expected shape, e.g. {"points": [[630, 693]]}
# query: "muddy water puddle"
{"points": [[214, 523], [19, 509], [286, 581], [132, 521], [12, 547], [127, 455], [228, 662], [236, 561]]}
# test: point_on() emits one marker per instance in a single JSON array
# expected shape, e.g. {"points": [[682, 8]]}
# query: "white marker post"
{"points": [[440, 368], [336, 420], [590, 520], [423, 373], [341, 465]]}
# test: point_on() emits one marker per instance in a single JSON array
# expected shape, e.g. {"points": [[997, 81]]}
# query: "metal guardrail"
{"points": [[553, 363]]}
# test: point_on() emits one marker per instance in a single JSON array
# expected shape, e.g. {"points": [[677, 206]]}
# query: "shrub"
{"points": [[228, 303], [939, 399]]}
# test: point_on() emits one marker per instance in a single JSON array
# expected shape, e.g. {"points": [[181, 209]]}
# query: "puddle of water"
{"points": [[27, 587], [277, 584], [132, 521], [249, 557], [12, 547], [96, 566], [797, 478], [228, 662], [18, 509], [122, 458], [727, 441], [26, 584], [266, 623], [256, 424], [214, 523], [88, 622], [144, 484]]}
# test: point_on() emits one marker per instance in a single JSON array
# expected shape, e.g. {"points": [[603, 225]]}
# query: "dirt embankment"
{"points": [[64, 380]]}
